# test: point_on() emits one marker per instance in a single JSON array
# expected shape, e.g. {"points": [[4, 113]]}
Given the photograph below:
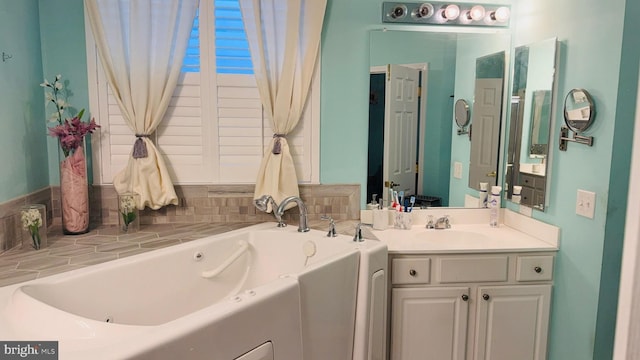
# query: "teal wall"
{"points": [[22, 122], [45, 38], [64, 52], [586, 278]]}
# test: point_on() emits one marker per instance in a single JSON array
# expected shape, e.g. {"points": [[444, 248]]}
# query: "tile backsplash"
{"points": [[197, 204]]}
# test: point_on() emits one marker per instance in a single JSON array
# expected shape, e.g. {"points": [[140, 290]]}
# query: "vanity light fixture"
{"points": [[476, 13], [446, 13], [501, 14], [450, 12]]}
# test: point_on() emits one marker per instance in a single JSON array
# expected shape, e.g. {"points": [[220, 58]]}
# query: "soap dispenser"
{"points": [[374, 203]]}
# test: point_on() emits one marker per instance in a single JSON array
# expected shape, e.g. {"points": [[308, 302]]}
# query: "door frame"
{"points": [[424, 74], [627, 333]]}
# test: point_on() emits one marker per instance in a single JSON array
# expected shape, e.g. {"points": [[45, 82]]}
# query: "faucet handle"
{"points": [[358, 235], [332, 226], [446, 221], [430, 224]]}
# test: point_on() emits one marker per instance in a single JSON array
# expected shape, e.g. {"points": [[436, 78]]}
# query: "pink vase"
{"points": [[74, 193]]}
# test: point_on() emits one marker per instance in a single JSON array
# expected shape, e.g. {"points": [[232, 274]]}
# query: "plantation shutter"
{"points": [[218, 141]]}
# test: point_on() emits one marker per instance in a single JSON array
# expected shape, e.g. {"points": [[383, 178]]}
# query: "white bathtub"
{"points": [[158, 305]]}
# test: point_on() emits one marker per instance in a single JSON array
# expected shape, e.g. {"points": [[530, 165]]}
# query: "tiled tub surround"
{"points": [[198, 204], [102, 244], [229, 203]]}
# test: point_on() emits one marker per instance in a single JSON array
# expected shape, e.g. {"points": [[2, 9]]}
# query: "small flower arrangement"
{"points": [[127, 210], [70, 132], [32, 221]]}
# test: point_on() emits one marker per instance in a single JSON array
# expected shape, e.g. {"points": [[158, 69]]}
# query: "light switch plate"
{"points": [[586, 203], [457, 170]]}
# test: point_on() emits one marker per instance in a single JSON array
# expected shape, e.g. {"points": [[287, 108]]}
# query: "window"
{"points": [[214, 130]]}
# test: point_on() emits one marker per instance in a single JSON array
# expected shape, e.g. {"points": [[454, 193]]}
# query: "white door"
{"points": [[512, 322], [400, 128], [429, 323], [485, 134]]}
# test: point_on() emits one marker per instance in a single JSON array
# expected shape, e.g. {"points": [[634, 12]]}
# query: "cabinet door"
{"points": [[512, 322], [429, 323]]}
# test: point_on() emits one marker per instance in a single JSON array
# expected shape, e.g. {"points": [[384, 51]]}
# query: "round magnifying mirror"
{"points": [[579, 110], [461, 111]]}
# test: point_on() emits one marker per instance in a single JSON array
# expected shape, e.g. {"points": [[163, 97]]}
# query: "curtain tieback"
{"points": [[277, 147], [139, 147]]}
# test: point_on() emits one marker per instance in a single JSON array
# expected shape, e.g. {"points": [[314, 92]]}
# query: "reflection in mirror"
{"points": [[579, 110], [487, 119], [446, 67], [462, 116], [532, 97]]}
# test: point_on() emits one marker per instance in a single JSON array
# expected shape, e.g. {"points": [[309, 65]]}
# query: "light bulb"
{"points": [[424, 11], [451, 12], [476, 13], [501, 14]]}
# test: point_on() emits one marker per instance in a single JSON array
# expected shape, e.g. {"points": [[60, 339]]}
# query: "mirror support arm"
{"points": [[564, 139]]}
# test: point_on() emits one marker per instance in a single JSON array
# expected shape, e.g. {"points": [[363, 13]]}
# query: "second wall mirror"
{"points": [[532, 103]]}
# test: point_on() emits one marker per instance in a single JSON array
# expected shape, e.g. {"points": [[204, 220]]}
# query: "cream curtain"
{"points": [[141, 44], [284, 38]]}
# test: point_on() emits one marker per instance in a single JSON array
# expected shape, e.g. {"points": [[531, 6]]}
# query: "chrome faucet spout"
{"points": [[443, 223], [302, 225]]}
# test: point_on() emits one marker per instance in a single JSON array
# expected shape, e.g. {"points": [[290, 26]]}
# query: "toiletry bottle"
{"points": [[494, 206], [483, 194], [381, 218], [516, 197], [373, 204]]}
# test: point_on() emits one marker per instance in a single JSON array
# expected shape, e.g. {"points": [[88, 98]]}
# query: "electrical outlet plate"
{"points": [[586, 203], [457, 170]]}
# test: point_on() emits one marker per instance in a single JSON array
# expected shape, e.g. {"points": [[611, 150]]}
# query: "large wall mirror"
{"points": [[532, 102], [444, 66]]}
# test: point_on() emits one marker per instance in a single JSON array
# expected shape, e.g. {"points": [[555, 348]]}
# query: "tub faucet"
{"points": [[443, 223], [302, 225], [357, 237]]}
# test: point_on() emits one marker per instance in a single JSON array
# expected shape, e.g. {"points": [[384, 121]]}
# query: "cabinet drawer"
{"points": [[533, 181], [472, 269], [534, 268], [411, 271]]}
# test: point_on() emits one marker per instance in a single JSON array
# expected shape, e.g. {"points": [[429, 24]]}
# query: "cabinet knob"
{"points": [[465, 297], [537, 269], [413, 272], [486, 296]]}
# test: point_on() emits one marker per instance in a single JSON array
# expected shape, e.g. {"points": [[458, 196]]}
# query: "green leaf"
{"points": [[131, 217]]}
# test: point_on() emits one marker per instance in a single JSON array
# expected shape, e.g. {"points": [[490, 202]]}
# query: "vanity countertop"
{"points": [[471, 238]]}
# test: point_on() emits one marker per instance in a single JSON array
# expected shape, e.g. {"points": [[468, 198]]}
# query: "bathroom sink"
{"points": [[449, 236]]}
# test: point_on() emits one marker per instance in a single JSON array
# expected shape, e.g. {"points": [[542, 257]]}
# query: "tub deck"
{"points": [[102, 244]]}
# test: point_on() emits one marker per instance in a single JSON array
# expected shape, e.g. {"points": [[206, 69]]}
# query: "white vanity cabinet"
{"points": [[492, 306]]}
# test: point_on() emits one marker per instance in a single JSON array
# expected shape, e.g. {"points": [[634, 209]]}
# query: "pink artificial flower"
{"points": [[72, 132]]}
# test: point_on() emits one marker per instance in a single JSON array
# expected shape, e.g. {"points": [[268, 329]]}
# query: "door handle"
{"points": [[390, 184], [492, 174]]}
